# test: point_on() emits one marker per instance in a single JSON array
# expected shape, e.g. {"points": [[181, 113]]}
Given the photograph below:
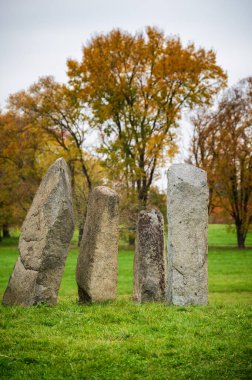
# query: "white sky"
{"points": [[37, 36]]}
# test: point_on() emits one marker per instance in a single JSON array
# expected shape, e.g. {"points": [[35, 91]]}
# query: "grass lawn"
{"points": [[122, 340]]}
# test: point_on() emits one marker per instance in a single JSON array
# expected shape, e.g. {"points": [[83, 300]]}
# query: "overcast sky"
{"points": [[37, 36]]}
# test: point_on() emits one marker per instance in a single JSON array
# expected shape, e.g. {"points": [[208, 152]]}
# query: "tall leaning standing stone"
{"points": [[187, 235], [149, 261], [97, 265], [44, 241]]}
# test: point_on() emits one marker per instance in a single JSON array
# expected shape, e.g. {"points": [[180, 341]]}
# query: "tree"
{"points": [[54, 111], [222, 145], [20, 169], [134, 88], [203, 152], [49, 106]]}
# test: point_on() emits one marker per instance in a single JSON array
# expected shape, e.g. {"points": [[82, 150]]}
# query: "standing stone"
{"points": [[44, 241], [149, 261], [187, 235], [97, 265]]}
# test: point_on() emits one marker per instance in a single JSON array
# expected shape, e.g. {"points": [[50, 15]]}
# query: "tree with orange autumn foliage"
{"points": [[133, 89], [50, 107], [26, 152], [20, 169], [53, 110], [222, 145]]}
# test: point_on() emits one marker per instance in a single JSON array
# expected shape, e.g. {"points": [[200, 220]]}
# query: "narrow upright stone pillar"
{"points": [[44, 241], [187, 209], [97, 265], [149, 261]]}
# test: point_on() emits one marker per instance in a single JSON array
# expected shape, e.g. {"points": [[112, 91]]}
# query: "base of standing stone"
{"points": [[21, 288]]}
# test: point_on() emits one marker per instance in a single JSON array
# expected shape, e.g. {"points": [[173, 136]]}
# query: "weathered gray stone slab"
{"points": [[97, 265], [44, 241], [187, 209], [149, 260]]}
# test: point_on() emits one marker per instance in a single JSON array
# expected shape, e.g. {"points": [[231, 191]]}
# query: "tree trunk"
{"points": [[6, 231], [143, 197], [81, 229], [240, 235], [81, 225], [131, 238]]}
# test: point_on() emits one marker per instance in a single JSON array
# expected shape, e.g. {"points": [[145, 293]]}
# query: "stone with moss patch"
{"points": [[149, 262]]}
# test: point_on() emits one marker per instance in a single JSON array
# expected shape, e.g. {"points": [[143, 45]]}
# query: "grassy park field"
{"points": [[123, 340]]}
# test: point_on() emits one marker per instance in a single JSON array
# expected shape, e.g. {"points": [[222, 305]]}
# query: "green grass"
{"points": [[223, 235], [122, 340]]}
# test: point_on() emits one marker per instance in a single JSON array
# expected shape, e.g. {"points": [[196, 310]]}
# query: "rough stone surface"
{"points": [[187, 235], [97, 265], [149, 260], [44, 241]]}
